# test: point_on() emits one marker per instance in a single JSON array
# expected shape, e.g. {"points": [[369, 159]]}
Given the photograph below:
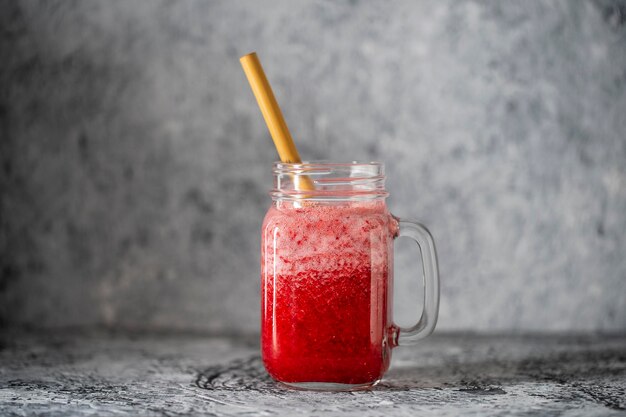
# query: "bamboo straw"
{"points": [[273, 116]]}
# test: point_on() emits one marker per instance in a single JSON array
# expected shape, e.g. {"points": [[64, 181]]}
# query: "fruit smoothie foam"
{"points": [[325, 312]]}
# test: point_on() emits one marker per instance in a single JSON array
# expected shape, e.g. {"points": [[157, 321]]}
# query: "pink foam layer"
{"points": [[327, 238]]}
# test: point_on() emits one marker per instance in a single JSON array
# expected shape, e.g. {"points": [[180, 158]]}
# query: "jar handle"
{"points": [[428, 320]]}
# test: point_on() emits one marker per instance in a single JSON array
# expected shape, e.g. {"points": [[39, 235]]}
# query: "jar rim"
{"points": [[324, 163]]}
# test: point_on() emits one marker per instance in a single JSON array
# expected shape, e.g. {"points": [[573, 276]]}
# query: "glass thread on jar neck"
{"points": [[350, 181]]}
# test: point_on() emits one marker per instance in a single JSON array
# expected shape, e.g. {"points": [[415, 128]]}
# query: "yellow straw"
{"points": [[273, 116]]}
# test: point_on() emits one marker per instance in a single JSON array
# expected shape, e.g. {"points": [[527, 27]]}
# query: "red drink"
{"points": [[326, 270]]}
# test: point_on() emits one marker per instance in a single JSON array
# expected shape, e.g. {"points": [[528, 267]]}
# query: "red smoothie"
{"points": [[325, 309]]}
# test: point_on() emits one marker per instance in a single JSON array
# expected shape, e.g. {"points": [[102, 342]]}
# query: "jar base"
{"points": [[328, 386]]}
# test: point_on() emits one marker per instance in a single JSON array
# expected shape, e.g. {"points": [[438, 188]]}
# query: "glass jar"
{"points": [[327, 274]]}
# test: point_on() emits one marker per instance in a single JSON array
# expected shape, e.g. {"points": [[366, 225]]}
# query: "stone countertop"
{"points": [[105, 373]]}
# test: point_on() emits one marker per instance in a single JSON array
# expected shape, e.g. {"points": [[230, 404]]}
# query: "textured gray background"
{"points": [[135, 163]]}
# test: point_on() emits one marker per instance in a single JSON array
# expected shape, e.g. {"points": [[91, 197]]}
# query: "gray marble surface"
{"points": [[104, 373], [135, 165]]}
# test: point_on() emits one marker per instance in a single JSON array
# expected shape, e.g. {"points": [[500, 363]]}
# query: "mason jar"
{"points": [[327, 277]]}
